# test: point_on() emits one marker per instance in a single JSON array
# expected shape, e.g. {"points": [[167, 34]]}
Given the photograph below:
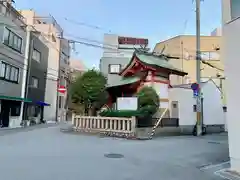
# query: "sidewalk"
{"points": [[5, 131]]}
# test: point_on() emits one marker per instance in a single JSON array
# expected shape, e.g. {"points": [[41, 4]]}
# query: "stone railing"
{"points": [[107, 126]]}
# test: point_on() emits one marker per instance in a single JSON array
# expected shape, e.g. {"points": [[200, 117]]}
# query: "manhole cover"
{"points": [[113, 155]]}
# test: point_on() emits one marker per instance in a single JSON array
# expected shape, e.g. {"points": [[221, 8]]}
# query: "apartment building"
{"points": [[58, 62], [230, 55], [182, 48], [77, 68], [36, 78], [12, 49], [117, 53]]}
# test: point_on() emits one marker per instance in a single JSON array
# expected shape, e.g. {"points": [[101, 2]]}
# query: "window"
{"points": [[114, 68], [210, 56], [8, 72], [36, 55], [34, 82], [235, 7], [3, 68], [12, 40], [64, 58]]}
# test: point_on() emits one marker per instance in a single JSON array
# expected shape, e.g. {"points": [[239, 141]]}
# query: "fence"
{"points": [[110, 126]]}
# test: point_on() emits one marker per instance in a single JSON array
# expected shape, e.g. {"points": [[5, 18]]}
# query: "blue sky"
{"points": [[156, 20]]}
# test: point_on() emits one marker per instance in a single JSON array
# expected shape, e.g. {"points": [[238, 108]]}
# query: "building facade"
{"points": [[182, 48], [230, 55], [217, 32], [117, 53], [36, 78], [58, 61], [77, 68], [12, 49]]}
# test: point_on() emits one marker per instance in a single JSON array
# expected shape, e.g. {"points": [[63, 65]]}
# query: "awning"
{"points": [[11, 98], [41, 103]]}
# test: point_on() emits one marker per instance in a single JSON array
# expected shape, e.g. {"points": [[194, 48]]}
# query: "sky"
{"points": [[156, 20]]}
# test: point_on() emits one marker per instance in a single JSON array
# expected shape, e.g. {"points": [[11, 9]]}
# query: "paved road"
{"points": [[47, 153]]}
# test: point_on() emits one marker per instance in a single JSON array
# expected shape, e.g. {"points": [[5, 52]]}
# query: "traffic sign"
{"points": [[62, 89], [195, 93], [195, 86]]}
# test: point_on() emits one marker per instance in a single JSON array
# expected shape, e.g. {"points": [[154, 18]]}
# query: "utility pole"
{"points": [[198, 69]]}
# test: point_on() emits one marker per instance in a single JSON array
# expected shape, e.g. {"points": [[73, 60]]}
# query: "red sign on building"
{"points": [[132, 41]]}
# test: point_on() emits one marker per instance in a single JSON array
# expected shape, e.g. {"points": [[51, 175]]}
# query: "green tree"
{"points": [[90, 91], [148, 101]]}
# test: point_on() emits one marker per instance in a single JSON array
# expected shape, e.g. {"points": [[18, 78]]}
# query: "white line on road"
{"points": [[214, 165], [224, 170]]}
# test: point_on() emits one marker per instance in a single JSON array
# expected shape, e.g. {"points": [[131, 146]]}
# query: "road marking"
{"points": [[227, 173], [214, 165]]}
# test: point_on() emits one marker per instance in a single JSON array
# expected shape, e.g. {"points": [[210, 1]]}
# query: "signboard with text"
{"points": [[132, 41]]}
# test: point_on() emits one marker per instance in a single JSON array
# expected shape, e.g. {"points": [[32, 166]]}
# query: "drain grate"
{"points": [[114, 155], [214, 142]]}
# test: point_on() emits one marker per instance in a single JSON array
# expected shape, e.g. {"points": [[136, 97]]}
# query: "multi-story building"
{"points": [[230, 55], [58, 61], [12, 49], [117, 53], [182, 48], [77, 68], [36, 78]]}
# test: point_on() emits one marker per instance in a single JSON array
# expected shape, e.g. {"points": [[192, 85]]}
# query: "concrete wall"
{"points": [[231, 40], [104, 67], [112, 47], [212, 105], [11, 56]]}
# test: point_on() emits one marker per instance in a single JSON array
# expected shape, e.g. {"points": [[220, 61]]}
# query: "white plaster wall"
{"points": [[162, 91], [231, 54], [185, 104], [212, 105], [51, 98]]}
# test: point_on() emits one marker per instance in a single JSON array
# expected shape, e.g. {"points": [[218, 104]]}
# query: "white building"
{"points": [[117, 53], [231, 54], [183, 106]]}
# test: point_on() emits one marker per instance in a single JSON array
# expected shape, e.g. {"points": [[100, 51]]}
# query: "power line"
{"points": [[86, 25], [90, 40]]}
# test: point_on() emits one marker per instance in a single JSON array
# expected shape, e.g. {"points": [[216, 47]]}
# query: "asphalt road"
{"points": [[47, 153]]}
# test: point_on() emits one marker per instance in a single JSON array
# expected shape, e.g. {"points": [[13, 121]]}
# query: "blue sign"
{"points": [[195, 93]]}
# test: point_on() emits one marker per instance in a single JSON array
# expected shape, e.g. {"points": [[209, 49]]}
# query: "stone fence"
{"points": [[108, 126]]}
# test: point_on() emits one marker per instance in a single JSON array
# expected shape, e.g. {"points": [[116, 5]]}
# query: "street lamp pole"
{"points": [[198, 69]]}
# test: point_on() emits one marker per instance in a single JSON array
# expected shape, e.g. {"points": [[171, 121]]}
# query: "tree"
{"points": [[148, 105], [90, 91]]}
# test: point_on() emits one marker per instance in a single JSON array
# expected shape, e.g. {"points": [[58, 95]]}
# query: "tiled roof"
{"points": [[125, 81], [155, 60]]}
